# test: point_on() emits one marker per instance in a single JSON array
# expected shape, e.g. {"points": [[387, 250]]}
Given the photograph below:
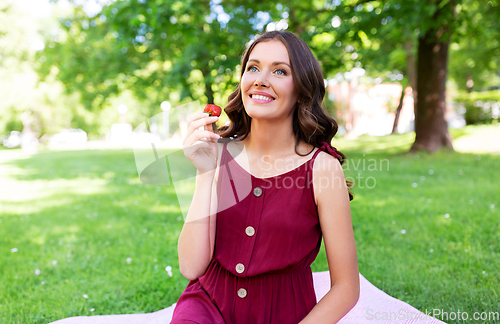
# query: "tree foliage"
{"points": [[162, 50], [189, 50], [475, 51]]}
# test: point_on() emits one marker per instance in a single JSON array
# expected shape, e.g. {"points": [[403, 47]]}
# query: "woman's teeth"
{"points": [[259, 97]]}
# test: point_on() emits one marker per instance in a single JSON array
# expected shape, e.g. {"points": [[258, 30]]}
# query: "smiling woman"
{"points": [[249, 261]]}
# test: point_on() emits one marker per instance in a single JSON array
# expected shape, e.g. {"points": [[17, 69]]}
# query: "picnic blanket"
{"points": [[373, 307]]}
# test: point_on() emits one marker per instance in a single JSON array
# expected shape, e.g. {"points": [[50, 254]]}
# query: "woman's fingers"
{"points": [[196, 116], [195, 122], [209, 127], [200, 135], [197, 119], [196, 146], [190, 151], [192, 146], [206, 134], [204, 121], [200, 143]]}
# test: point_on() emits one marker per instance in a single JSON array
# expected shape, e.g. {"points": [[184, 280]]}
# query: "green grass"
{"points": [[89, 212]]}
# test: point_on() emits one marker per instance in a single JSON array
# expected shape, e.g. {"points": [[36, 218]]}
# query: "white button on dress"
{"points": [[242, 292], [250, 231], [240, 268]]}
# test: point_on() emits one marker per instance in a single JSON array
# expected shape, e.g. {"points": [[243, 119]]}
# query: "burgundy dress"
{"points": [[267, 236]]}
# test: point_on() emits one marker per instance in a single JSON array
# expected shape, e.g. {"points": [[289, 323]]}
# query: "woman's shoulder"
{"points": [[326, 167], [325, 162]]}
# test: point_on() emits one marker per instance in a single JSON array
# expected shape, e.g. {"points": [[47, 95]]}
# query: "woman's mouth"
{"points": [[260, 98]]}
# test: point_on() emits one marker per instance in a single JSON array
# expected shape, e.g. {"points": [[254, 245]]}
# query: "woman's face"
{"points": [[267, 87]]}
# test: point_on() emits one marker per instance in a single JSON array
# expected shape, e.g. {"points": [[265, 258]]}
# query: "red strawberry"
{"points": [[212, 110]]}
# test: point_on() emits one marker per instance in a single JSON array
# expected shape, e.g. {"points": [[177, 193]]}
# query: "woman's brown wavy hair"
{"points": [[310, 121]]}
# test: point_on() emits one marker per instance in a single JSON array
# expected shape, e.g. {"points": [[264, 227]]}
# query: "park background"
{"points": [[82, 83]]}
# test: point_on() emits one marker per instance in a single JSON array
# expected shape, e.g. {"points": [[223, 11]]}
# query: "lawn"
{"points": [[81, 235]]}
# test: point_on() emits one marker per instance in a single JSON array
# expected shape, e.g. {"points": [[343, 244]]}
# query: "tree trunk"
{"points": [[431, 129], [398, 111], [411, 70]]}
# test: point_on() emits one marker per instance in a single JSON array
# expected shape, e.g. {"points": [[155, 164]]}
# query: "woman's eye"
{"points": [[280, 72], [252, 68]]}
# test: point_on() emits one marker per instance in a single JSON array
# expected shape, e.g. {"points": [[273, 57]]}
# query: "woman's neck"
{"points": [[270, 138]]}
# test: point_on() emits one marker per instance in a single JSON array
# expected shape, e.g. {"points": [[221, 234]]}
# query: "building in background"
{"points": [[371, 109]]}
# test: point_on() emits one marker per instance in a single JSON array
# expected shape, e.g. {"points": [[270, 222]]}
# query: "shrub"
{"points": [[479, 107]]}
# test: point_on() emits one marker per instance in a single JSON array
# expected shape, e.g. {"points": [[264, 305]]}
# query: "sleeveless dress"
{"points": [[267, 235]]}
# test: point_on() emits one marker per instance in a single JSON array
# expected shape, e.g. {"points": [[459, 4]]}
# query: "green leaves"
{"points": [[190, 50]]}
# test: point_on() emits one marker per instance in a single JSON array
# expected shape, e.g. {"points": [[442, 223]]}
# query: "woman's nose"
{"points": [[260, 83]]}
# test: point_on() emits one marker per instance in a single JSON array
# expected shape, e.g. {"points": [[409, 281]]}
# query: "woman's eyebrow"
{"points": [[274, 63]]}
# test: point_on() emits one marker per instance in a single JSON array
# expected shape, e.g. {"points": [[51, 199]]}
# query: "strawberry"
{"points": [[212, 110]]}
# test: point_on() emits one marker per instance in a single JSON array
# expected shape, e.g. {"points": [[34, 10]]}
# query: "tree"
{"points": [[369, 24], [431, 131]]}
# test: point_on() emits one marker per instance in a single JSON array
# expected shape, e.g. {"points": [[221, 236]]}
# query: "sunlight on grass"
{"points": [[391, 144], [42, 194], [479, 139], [470, 139], [166, 209]]}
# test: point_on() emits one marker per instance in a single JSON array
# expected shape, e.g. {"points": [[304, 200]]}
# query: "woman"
{"points": [[257, 218]]}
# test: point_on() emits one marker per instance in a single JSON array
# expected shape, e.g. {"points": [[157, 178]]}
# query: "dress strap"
{"points": [[325, 147], [225, 156], [226, 170], [315, 155], [224, 147]]}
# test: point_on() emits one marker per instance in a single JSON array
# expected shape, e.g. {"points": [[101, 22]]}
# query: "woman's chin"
{"points": [[257, 112], [258, 115]]}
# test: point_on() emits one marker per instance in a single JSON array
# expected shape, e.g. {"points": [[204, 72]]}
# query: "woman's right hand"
{"points": [[200, 146]]}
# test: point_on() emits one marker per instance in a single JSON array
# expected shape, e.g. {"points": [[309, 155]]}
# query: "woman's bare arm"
{"points": [[197, 238], [335, 219]]}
